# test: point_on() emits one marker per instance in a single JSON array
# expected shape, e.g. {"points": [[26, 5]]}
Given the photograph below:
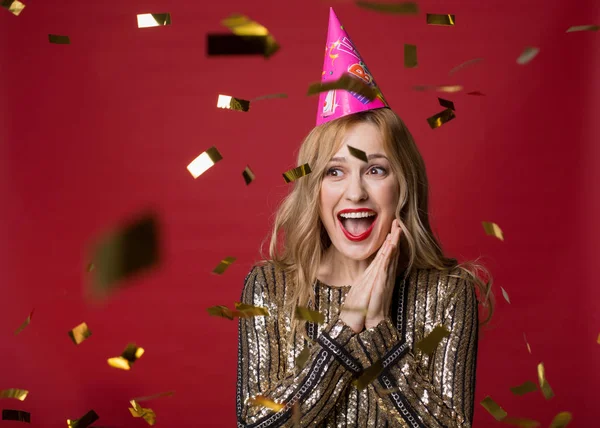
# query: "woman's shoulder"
{"points": [[446, 281], [267, 276]]}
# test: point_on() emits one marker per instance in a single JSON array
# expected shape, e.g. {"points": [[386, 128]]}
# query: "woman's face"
{"points": [[358, 199]]}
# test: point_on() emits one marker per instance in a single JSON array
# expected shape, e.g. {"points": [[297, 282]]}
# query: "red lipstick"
{"points": [[362, 236]]}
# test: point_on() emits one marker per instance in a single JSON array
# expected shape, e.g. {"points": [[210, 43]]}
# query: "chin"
{"points": [[358, 254]]}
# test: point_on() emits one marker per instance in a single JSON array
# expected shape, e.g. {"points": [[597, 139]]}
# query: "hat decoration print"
{"points": [[342, 57]]}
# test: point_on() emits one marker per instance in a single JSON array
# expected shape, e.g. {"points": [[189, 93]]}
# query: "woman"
{"points": [[353, 242]]}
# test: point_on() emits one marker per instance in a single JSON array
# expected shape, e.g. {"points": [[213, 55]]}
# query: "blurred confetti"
{"points": [[302, 358], [296, 173], [80, 333], [403, 8], [465, 64], [544, 385], [85, 421], [446, 103], [222, 267], [155, 396], [248, 175], [583, 28], [59, 40], [243, 26], [476, 93], [127, 358], [368, 375], [13, 6], [493, 408], [521, 422], [561, 420], [230, 44], [525, 388], [263, 401], [90, 267], [505, 295], [220, 311], [435, 19], [270, 96], [346, 82], [527, 343], [204, 161], [248, 311], [428, 344], [527, 55], [16, 415], [306, 314], [18, 394], [598, 340], [440, 88], [410, 56], [492, 229], [25, 323], [441, 118], [138, 411], [357, 153], [146, 20], [231, 103]]}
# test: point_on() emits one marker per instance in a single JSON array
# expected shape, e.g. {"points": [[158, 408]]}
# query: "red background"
{"points": [[96, 131]]}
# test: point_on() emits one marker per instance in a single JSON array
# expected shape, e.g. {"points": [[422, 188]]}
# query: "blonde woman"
{"points": [[352, 241]]}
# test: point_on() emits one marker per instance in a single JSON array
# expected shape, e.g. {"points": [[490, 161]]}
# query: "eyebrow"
{"points": [[369, 157]]}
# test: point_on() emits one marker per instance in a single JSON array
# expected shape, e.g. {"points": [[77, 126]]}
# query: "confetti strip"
{"points": [[270, 96], [401, 8], [302, 358], [528, 54], [220, 311], [146, 20], [127, 358], [85, 421], [435, 19], [583, 28], [18, 394], [505, 294], [368, 375], [261, 400], [306, 314], [346, 82], [241, 25], [222, 267], [359, 154], [561, 420], [90, 267], [432, 340], [59, 40], [476, 93], [154, 397], [138, 411], [231, 103], [13, 6], [527, 343], [446, 103], [16, 415], [442, 88], [521, 422], [465, 64], [492, 229], [230, 44], [247, 311], [204, 161], [25, 323], [598, 340], [248, 175], [410, 56], [524, 388], [296, 173], [441, 118], [128, 251], [493, 408], [80, 333], [544, 385]]}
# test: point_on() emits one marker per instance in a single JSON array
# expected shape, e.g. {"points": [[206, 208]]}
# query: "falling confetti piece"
{"points": [[248, 175], [368, 375], [220, 311], [403, 8], [231, 103], [13, 6], [128, 251], [441, 88], [346, 82], [561, 420], [302, 358], [296, 173], [127, 358], [492, 229], [222, 267], [521, 422], [80, 333], [441, 118], [230, 44], [241, 25], [528, 54], [270, 96], [527, 343], [263, 401], [598, 340], [524, 388], [25, 323], [306, 314], [247, 311], [432, 340], [505, 294], [583, 28], [446, 103], [357, 153], [59, 40], [16, 415], [19, 394], [493, 408], [204, 161], [410, 56], [83, 422], [476, 93], [544, 385], [435, 19], [90, 267], [138, 411], [146, 20], [154, 397], [465, 64]]}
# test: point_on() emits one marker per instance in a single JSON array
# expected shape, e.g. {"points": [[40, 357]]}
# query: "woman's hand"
{"points": [[383, 289]]}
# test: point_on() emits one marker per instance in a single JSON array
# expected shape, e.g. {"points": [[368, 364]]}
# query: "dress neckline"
{"points": [[399, 277]]}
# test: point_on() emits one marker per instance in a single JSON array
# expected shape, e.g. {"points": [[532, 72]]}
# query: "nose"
{"points": [[356, 191]]}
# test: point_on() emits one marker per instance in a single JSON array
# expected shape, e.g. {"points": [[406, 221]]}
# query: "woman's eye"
{"points": [[377, 170], [334, 172]]}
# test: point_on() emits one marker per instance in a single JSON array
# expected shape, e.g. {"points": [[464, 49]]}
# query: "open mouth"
{"points": [[357, 225]]}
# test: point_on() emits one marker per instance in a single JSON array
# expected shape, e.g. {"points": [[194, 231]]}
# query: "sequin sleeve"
{"points": [[441, 396], [310, 393]]}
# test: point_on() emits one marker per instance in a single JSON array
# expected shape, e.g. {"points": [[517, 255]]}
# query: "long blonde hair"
{"points": [[299, 239]]}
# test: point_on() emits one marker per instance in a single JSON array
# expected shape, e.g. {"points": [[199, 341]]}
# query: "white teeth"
{"points": [[358, 215]]}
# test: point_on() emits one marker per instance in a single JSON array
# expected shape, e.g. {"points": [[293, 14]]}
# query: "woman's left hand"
{"points": [[381, 294]]}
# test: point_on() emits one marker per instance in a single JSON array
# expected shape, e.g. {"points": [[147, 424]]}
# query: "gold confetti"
{"points": [[492, 229], [59, 40], [80, 333], [247, 311], [346, 82], [465, 64], [410, 56], [16, 415], [127, 358], [583, 28], [505, 294], [544, 385], [435, 19], [440, 88], [83, 422], [446, 103], [524, 388], [241, 25], [19, 394], [25, 323], [302, 358], [432, 340], [368, 375], [146, 20], [527, 343], [204, 161], [270, 96], [138, 411], [521, 422], [358, 154], [561, 420], [220, 311], [476, 93], [403, 8], [155, 396], [528, 54], [232, 103], [261, 400], [248, 175], [128, 251], [90, 267], [439, 119], [353, 309], [306, 314], [222, 267], [493, 408], [296, 173], [13, 6], [598, 340]]}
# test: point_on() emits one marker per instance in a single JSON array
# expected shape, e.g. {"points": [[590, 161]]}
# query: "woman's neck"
{"points": [[337, 270]]}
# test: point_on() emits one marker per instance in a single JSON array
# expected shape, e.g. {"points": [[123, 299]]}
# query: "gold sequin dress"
{"points": [[413, 390]]}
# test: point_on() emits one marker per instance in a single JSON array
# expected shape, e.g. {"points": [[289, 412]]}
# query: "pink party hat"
{"points": [[342, 57]]}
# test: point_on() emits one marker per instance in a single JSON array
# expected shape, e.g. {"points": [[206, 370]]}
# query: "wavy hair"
{"points": [[298, 239]]}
